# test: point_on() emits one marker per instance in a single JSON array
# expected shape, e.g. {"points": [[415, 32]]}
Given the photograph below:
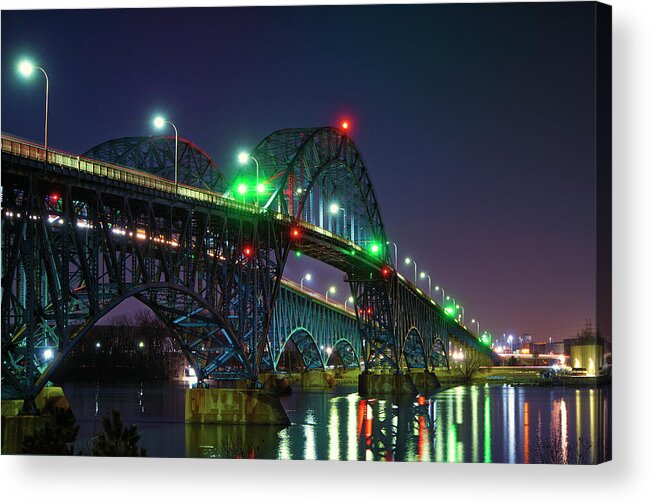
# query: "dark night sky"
{"points": [[476, 122]]}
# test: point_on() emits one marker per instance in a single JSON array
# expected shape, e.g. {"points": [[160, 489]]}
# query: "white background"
{"points": [[626, 479]]}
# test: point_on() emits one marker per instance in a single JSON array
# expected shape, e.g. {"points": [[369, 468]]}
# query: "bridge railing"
{"points": [[22, 148], [306, 291]]}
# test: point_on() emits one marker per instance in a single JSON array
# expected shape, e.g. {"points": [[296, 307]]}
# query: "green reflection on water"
{"points": [[487, 426]]}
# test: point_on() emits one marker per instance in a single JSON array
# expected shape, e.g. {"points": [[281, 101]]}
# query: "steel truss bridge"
{"points": [[81, 234]]}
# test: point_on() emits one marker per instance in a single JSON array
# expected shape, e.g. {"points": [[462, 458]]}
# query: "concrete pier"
{"points": [[371, 384], [16, 426], [317, 379], [234, 406], [426, 382]]}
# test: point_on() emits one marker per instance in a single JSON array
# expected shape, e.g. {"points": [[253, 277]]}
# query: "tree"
{"points": [[469, 365], [56, 438], [117, 440]]}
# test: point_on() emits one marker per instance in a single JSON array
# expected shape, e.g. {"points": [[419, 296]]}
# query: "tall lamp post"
{"points": [[350, 300], [476, 322], [159, 123], [439, 288], [331, 290], [395, 248], [463, 313], [26, 68], [424, 275], [409, 260], [243, 158], [307, 277]]}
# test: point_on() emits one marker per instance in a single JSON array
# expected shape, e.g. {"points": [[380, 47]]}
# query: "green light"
{"points": [[262, 188], [241, 189], [375, 248], [449, 310], [298, 253]]}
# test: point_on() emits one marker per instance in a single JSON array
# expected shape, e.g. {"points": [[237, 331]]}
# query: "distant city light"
{"points": [[141, 344]]}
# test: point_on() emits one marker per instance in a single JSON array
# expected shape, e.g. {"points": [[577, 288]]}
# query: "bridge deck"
{"points": [[315, 242]]}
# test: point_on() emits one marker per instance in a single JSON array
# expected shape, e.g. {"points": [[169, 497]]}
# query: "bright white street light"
{"points": [[47, 354], [331, 290], [26, 68], [243, 157], [307, 277], [334, 208], [160, 122]]}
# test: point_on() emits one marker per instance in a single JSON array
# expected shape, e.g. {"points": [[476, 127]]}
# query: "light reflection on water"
{"points": [[462, 424]]}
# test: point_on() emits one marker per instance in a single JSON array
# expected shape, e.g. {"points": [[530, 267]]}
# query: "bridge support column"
{"points": [[386, 384], [426, 381], [16, 426], [317, 379], [234, 406]]}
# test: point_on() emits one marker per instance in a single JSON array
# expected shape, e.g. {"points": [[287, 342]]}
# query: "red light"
{"points": [[295, 233], [386, 271], [247, 251], [344, 125], [54, 197], [421, 400], [369, 310]]}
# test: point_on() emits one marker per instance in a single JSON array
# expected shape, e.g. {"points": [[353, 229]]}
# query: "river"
{"points": [[487, 424]]}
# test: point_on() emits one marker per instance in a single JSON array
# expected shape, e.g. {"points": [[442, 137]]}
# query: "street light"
{"points": [[437, 288], [395, 247], [350, 300], [476, 322], [463, 313], [307, 277], [408, 260], [159, 123], [331, 290], [243, 158], [26, 68], [334, 208], [510, 340], [429, 281]]}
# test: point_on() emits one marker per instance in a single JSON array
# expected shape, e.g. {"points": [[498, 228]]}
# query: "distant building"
{"points": [[538, 347]]}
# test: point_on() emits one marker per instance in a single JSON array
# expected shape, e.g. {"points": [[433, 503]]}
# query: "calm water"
{"points": [[462, 424]]}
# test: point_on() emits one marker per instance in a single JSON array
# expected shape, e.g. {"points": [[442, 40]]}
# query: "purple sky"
{"points": [[476, 123]]}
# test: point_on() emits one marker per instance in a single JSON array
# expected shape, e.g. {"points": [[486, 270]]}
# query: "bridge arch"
{"points": [[347, 353], [318, 176], [438, 356], [413, 350], [306, 345], [202, 333], [156, 155]]}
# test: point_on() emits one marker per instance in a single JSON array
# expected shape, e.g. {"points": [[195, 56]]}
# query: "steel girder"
{"points": [[400, 329], [155, 154], [314, 327], [73, 251], [309, 170]]}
